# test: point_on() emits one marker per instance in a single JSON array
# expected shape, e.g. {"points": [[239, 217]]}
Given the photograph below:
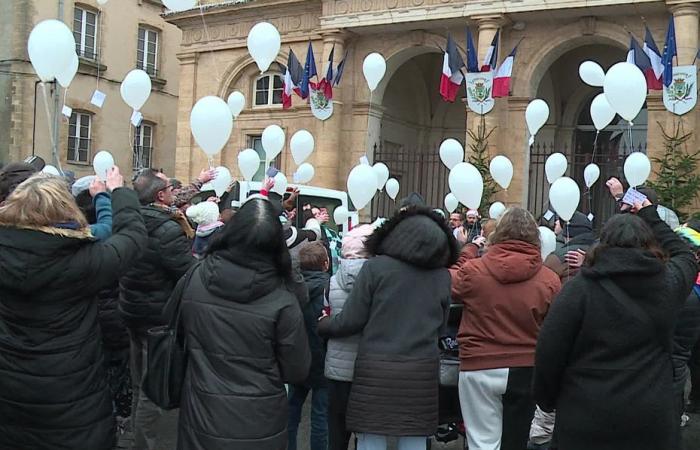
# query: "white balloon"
{"points": [[536, 115], [179, 5], [548, 240], [451, 202], [341, 215], [222, 181], [211, 124], [382, 173], [637, 169], [564, 196], [273, 141], [625, 88], [362, 185], [601, 112], [136, 88], [467, 184], [102, 162], [591, 73], [591, 174], [281, 184], [304, 173], [392, 188], [102, 2], [501, 170], [374, 68], [66, 76], [264, 44], [555, 167], [496, 210], [451, 152], [248, 163], [51, 170], [51, 47], [302, 146], [236, 101]]}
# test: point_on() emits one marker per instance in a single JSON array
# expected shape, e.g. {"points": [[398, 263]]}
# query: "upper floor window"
{"points": [[268, 90], [143, 146], [85, 32], [147, 51], [79, 137]]}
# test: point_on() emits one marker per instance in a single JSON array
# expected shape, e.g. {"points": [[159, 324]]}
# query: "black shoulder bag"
{"points": [[167, 355]]}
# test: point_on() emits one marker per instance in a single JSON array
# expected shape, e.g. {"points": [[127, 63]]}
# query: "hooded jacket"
{"points": [[609, 374], [398, 303], [146, 287], [53, 387], [506, 295], [245, 339], [342, 352]]}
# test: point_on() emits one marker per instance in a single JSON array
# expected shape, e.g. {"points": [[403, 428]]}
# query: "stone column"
{"points": [[327, 155], [685, 17], [516, 149], [185, 150]]}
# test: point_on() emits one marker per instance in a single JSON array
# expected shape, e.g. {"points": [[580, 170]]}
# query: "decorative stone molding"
{"points": [[587, 25]]}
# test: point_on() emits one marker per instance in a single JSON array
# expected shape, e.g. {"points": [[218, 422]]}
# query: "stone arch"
{"points": [[243, 67], [553, 45]]}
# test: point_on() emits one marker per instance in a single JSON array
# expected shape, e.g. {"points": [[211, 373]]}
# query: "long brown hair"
{"points": [[516, 224], [41, 201], [626, 231]]}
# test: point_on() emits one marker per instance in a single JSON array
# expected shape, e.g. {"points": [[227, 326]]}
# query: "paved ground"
{"points": [[167, 440]]}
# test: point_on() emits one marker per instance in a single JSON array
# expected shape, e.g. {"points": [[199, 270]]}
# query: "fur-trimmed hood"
{"points": [[418, 236]]}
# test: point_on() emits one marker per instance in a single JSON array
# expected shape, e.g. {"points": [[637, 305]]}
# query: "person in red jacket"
{"points": [[506, 295]]}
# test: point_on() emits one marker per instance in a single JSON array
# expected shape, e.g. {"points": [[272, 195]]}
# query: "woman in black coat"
{"points": [[53, 388], [604, 352], [245, 338], [398, 304]]}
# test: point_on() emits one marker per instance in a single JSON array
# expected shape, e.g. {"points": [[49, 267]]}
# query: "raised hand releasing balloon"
{"points": [[211, 124], [501, 171]]}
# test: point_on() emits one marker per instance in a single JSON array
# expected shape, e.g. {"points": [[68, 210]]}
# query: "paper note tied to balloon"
{"points": [[633, 196]]}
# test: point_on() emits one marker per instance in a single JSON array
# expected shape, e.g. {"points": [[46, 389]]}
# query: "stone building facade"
{"points": [[111, 40], [404, 120]]}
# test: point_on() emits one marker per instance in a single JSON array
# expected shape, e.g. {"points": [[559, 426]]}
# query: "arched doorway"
{"points": [[570, 131], [415, 120]]}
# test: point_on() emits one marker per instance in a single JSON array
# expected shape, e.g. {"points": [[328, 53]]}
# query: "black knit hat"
{"points": [[578, 225], [12, 175], [413, 199]]}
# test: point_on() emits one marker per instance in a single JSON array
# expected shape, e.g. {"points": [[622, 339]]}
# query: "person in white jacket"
{"points": [[341, 352]]}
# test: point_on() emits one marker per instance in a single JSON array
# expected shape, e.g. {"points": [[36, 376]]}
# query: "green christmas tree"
{"points": [[677, 181], [480, 158]]}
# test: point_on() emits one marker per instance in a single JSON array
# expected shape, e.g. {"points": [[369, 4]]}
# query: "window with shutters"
{"points": [[85, 32], [147, 51], [143, 146], [79, 137]]}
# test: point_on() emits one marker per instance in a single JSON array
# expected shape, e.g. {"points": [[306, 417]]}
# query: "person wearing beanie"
{"points": [[12, 175], [577, 236], [413, 199], [206, 216], [342, 352]]}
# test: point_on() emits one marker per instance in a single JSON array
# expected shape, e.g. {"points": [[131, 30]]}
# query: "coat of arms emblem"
{"points": [[479, 92], [682, 95], [321, 106]]}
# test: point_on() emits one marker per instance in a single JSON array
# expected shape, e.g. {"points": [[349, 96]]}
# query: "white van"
{"points": [[321, 197]]}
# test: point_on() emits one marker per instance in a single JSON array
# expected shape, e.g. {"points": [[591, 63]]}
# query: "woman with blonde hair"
{"points": [[54, 391], [506, 295]]}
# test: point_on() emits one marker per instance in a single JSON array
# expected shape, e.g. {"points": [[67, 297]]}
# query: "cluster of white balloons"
{"points": [[51, 49], [364, 181], [624, 91]]}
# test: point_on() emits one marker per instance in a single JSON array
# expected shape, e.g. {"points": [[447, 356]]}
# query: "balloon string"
{"points": [[369, 110], [211, 51], [99, 47], [595, 146], [54, 150], [629, 129]]}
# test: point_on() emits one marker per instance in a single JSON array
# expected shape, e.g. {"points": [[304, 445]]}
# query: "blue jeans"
{"points": [[319, 416]]}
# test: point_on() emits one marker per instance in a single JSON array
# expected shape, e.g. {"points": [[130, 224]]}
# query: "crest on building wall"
{"points": [[682, 95], [321, 106], [480, 92]]}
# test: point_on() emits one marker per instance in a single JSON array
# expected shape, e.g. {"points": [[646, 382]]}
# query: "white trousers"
{"points": [[375, 442], [480, 398]]}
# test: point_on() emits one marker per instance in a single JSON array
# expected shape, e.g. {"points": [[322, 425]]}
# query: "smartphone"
{"points": [[272, 172]]}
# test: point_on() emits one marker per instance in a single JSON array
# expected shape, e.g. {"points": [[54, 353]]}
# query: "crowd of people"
{"points": [[590, 347]]}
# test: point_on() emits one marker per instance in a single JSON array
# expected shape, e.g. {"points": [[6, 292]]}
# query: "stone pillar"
{"points": [[685, 17], [516, 149], [327, 155], [185, 146]]}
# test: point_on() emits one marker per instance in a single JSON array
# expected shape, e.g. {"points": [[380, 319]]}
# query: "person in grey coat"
{"points": [[342, 352], [399, 304]]}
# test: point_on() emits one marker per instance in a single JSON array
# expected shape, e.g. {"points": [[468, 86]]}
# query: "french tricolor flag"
{"points": [[639, 58], [292, 79], [501, 82], [452, 77], [491, 58], [655, 75]]}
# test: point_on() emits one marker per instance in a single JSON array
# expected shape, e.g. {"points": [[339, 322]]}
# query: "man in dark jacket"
{"points": [[577, 236], [145, 288]]}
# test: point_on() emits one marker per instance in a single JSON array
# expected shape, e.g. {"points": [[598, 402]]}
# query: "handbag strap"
{"points": [[633, 308]]}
